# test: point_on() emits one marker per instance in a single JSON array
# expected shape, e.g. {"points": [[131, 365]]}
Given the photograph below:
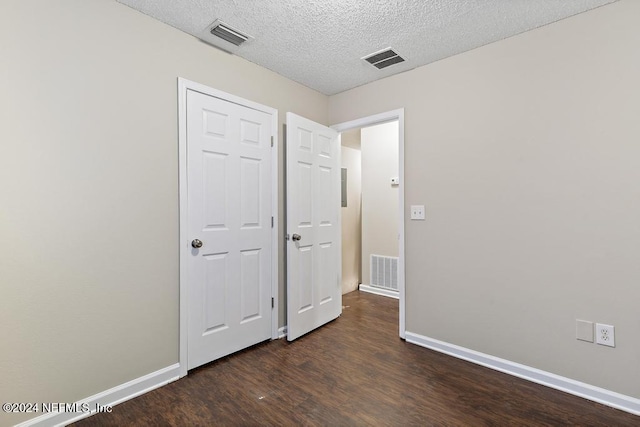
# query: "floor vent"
{"points": [[383, 58], [384, 272], [226, 33]]}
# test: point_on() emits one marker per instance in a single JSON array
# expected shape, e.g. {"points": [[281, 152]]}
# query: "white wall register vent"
{"points": [[228, 33], [383, 58], [384, 272]]}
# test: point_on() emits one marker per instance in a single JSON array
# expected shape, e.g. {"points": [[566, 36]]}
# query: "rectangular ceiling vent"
{"points": [[227, 33], [383, 58]]}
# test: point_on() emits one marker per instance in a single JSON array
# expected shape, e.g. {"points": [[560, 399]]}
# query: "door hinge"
{"points": [[272, 141], [273, 303], [271, 222]]}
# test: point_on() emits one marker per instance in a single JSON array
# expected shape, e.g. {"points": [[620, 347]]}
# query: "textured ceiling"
{"points": [[320, 43]]}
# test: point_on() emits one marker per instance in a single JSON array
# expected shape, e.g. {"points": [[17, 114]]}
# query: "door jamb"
{"points": [[184, 86], [377, 119]]}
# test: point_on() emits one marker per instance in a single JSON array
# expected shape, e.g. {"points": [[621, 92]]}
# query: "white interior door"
{"points": [[314, 264], [229, 227]]}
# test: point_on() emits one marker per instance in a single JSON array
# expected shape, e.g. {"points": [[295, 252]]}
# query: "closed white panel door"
{"points": [[229, 223], [314, 263]]}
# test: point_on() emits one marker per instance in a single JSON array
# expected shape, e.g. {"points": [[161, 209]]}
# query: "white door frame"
{"points": [[185, 85], [377, 119]]}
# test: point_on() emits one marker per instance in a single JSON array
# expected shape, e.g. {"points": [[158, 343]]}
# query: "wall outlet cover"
{"points": [[605, 335], [417, 212]]}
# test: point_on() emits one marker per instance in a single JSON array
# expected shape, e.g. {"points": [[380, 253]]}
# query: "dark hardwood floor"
{"points": [[354, 371]]}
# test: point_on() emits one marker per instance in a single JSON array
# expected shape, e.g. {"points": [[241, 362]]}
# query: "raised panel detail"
{"points": [[249, 132], [325, 207], [249, 285], [215, 124], [249, 192], [327, 274], [305, 195], [215, 292], [324, 144], [215, 190], [305, 278], [305, 141]]}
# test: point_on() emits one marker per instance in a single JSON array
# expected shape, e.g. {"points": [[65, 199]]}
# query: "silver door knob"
{"points": [[296, 237], [196, 243]]}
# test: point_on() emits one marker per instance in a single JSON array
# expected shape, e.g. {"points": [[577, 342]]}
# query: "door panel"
{"points": [[215, 284], [313, 213], [250, 285], [229, 210]]}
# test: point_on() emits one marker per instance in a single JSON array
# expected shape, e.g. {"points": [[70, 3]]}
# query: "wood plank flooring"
{"points": [[354, 371]]}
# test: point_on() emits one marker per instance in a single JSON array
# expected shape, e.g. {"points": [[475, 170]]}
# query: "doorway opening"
{"points": [[370, 179], [373, 206]]}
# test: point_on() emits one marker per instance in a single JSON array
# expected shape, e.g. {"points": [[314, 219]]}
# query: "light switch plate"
{"points": [[417, 212], [395, 181]]}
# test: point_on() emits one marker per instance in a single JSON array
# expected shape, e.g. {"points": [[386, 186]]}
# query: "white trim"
{"points": [[110, 397], [390, 116], [577, 388], [183, 86], [275, 254], [375, 119], [379, 291], [339, 224], [282, 332]]}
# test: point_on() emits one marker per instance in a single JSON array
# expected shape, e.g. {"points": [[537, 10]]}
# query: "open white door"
{"points": [[314, 263]]}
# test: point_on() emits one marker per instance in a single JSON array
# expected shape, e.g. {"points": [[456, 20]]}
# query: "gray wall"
{"points": [[525, 153], [89, 190]]}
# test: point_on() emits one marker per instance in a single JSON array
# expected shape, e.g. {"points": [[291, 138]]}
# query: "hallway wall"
{"points": [[352, 220], [380, 199]]}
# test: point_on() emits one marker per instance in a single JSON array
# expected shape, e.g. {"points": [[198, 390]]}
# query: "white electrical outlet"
{"points": [[417, 212], [605, 335]]}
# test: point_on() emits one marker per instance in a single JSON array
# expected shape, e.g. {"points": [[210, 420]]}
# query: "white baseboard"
{"points": [[282, 332], [577, 388], [110, 397], [379, 291]]}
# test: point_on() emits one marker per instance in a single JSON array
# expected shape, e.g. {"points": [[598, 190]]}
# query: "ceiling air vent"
{"points": [[383, 58], [225, 32]]}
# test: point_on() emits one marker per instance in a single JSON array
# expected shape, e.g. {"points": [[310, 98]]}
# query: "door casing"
{"points": [[377, 119], [185, 85]]}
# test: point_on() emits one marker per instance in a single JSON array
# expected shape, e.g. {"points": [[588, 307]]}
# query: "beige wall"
{"points": [[351, 220], [351, 139], [379, 198], [525, 153], [89, 190]]}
